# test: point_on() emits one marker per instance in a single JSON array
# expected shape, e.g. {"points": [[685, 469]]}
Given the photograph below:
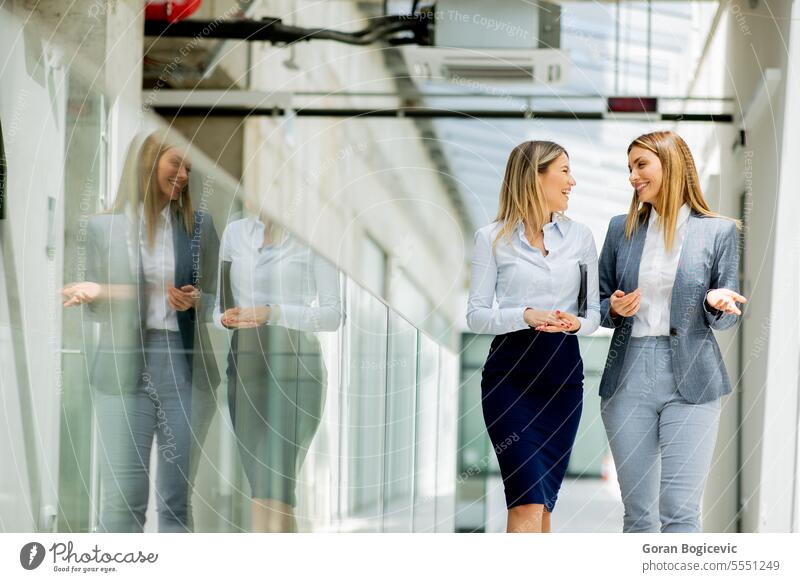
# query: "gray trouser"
{"points": [[127, 424], [662, 445]]}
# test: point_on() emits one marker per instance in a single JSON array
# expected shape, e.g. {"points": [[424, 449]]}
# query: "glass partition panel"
{"points": [[199, 367], [475, 455], [401, 369], [84, 189], [426, 435], [318, 485], [364, 412], [447, 432]]}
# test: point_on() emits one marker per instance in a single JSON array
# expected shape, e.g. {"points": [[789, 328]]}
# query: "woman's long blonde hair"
{"points": [[521, 195], [679, 184], [139, 183]]}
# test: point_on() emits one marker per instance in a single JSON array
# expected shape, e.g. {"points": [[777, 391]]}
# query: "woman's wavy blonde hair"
{"points": [[679, 184], [521, 195]]}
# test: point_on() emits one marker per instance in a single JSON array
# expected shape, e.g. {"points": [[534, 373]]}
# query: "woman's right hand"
{"points": [[77, 293], [537, 317], [623, 304]]}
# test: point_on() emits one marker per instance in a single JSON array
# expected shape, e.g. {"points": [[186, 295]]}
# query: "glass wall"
{"points": [[201, 367]]}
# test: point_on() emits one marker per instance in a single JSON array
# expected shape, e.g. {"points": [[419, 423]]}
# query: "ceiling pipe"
{"points": [[273, 30]]}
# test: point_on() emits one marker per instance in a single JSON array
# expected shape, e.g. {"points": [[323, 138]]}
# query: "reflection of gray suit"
{"points": [[113, 259], [709, 259]]}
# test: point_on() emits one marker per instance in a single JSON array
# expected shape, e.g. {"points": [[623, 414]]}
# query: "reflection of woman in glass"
{"points": [[151, 271], [275, 292]]}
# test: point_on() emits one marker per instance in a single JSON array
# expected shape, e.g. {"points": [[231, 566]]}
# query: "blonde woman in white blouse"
{"points": [[530, 261]]}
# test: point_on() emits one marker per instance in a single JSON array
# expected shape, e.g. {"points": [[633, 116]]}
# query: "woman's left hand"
{"points": [[725, 300], [184, 298], [567, 322]]}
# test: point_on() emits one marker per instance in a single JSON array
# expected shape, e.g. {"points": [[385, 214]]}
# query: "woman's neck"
{"points": [[163, 203], [267, 239], [529, 222]]}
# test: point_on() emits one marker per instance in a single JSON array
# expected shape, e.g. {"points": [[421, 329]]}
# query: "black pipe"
{"points": [[423, 112], [273, 30], [240, 29]]}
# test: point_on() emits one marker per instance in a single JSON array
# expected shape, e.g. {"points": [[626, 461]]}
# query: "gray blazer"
{"points": [[709, 259], [112, 259]]}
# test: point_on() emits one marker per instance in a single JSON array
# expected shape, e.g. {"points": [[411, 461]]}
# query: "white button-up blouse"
{"points": [[158, 266], [657, 271], [517, 275], [302, 287]]}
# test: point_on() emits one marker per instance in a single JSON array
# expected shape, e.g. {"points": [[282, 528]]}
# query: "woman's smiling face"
{"points": [[557, 183], [173, 173], [645, 174]]}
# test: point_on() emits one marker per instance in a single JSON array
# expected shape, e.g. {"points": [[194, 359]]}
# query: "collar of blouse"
{"points": [[557, 224]]}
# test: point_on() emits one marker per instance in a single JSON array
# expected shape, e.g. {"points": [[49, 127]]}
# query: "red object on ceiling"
{"points": [[170, 10]]}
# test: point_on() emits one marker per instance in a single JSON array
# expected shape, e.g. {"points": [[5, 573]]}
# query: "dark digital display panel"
{"points": [[633, 104]]}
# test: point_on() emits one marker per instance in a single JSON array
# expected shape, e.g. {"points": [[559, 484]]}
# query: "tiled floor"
{"points": [[587, 506], [584, 506]]}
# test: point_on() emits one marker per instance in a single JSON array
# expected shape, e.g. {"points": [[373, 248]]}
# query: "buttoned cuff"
{"points": [[578, 331], [713, 312], [522, 321], [218, 321]]}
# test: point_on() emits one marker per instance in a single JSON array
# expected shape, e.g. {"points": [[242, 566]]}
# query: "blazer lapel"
{"points": [[634, 258], [134, 255], [180, 246], [121, 258], [693, 237]]}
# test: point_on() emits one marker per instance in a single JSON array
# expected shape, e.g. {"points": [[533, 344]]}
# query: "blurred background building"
{"points": [[376, 133]]}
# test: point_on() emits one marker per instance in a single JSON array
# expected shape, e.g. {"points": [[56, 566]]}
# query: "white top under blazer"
{"points": [[657, 276], [158, 266]]}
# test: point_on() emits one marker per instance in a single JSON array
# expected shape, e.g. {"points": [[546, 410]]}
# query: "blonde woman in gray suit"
{"points": [[668, 277]]}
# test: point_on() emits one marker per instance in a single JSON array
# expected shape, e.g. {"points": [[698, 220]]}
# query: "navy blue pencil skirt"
{"points": [[532, 397]]}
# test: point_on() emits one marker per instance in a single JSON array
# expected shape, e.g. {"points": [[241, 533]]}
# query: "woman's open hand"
{"points": [[243, 317], [725, 300], [78, 293]]}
